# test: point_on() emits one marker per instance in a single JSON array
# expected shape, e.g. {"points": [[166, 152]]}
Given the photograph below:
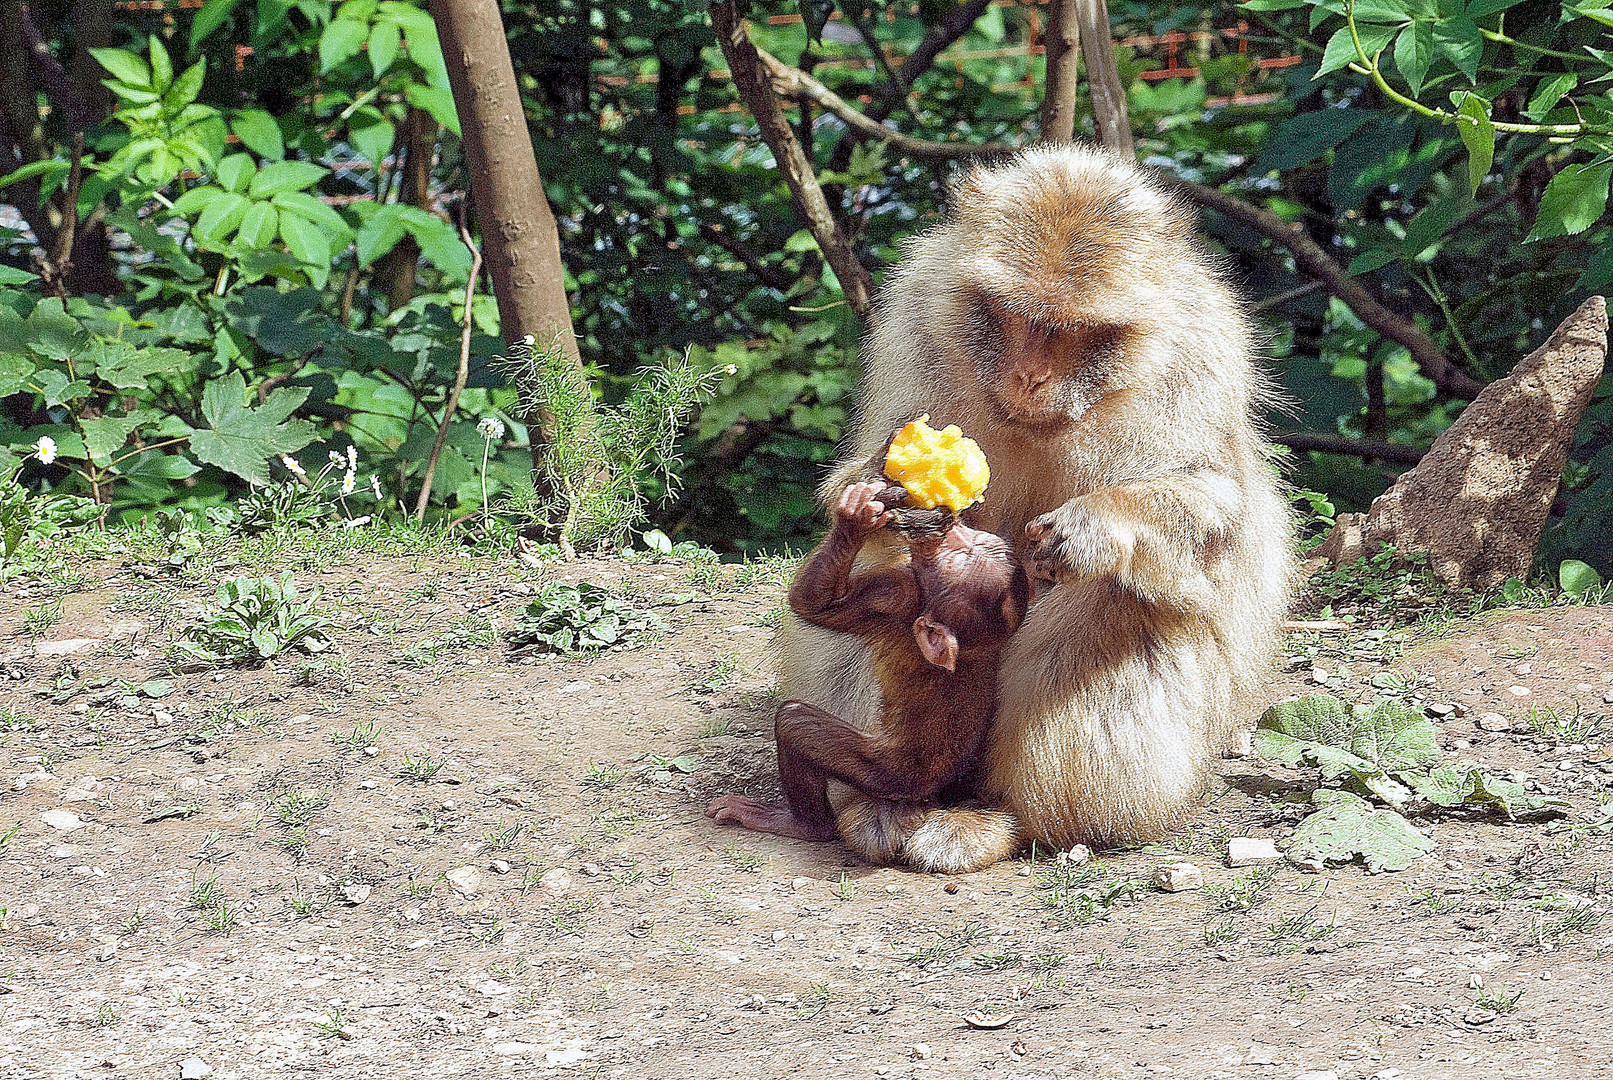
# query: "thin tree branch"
{"points": [[1397, 453], [1063, 51], [1284, 297], [460, 377], [745, 67]]}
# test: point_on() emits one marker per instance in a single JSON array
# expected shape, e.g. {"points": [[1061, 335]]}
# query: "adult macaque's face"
{"points": [[1044, 375]]}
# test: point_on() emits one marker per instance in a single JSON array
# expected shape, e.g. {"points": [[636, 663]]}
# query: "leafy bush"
{"points": [[580, 618], [256, 619]]}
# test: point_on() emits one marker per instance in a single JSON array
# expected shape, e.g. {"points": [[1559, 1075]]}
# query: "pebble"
{"points": [[921, 1051], [1493, 721], [1079, 855], [355, 894], [1248, 850], [1518, 691], [465, 879], [194, 1069], [515, 1049], [500, 866], [367, 785], [1179, 877], [64, 820], [65, 646], [1439, 710], [556, 879], [800, 883]]}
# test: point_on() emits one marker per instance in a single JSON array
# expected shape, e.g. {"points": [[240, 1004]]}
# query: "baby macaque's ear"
{"points": [[937, 642]]}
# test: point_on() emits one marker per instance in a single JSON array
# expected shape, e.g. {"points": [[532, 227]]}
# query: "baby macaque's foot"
{"points": [[860, 511], [775, 818]]}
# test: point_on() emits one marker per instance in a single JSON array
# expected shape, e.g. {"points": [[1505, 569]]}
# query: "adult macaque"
{"points": [[936, 627], [1064, 316]]}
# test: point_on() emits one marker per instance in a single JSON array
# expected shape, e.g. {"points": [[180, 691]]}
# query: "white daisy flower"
{"points": [[375, 484], [336, 458], [355, 523], [490, 428], [46, 449], [352, 457], [349, 482], [293, 465]]}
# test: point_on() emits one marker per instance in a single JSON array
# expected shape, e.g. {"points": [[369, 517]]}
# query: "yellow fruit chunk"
{"points": [[938, 468]]}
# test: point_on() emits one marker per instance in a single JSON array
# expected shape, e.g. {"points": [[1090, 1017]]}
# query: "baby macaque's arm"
{"points": [[826, 594]]}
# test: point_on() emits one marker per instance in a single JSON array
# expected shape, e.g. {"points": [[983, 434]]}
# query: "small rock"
{"points": [[1243, 745], [1249, 850], [1179, 877], [1476, 1015], [500, 866], [301, 718], [107, 951], [367, 785], [515, 1049], [466, 880], [371, 751], [355, 894], [1493, 721], [1518, 691], [1079, 855], [1311, 865], [921, 1051], [1319, 676], [194, 1069], [556, 879], [86, 789], [1439, 710], [65, 820], [65, 647], [799, 883], [780, 935]]}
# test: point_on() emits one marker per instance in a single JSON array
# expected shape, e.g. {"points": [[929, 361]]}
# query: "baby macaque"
{"points": [[937, 626]]}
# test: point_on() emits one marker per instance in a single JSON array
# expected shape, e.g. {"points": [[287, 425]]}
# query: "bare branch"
{"points": [[745, 65], [1396, 453], [460, 377], [767, 275]]}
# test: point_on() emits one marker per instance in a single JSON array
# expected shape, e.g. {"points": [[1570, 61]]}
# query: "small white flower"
{"points": [[349, 482], [529, 340], [46, 449], [375, 484], [355, 523], [352, 457], [336, 458], [490, 428], [293, 465], [731, 370]]}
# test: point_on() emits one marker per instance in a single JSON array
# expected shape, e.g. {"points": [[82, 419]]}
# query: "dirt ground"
{"points": [[256, 873]]}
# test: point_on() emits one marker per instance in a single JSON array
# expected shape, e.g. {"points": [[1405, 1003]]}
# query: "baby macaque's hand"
{"points": [[859, 512]]}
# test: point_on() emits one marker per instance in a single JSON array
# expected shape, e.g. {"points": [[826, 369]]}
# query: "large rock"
{"points": [[1477, 501]]}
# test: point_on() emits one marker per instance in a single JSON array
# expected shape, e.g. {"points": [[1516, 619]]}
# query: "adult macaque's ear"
{"points": [[937, 642]]}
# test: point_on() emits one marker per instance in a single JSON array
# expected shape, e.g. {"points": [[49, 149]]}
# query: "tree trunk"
{"points": [[397, 269], [1062, 42], [1103, 77], [520, 240]]}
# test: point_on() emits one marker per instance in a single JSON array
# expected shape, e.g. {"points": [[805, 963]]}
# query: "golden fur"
{"points": [[1129, 677]]}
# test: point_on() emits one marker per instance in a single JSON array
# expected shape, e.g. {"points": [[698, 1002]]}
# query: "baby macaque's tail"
{"points": [[944, 840]]}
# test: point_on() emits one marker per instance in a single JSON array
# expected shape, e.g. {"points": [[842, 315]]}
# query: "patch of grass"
{"points": [[602, 774], [204, 891], [717, 674], [335, 1020], [746, 862], [38, 620], [1296, 931], [293, 840], [256, 619], [1435, 902], [420, 767], [133, 922], [502, 837], [814, 1003], [946, 947], [364, 734], [303, 905], [1220, 931], [570, 917], [331, 669], [714, 726], [1552, 726], [1243, 893], [720, 913], [9, 835], [1498, 1000], [999, 960], [220, 918], [105, 1016], [14, 719], [844, 889], [295, 808], [1577, 920], [1077, 892]]}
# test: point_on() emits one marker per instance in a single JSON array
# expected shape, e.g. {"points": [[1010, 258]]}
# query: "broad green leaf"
{"points": [[125, 66], [380, 234], [220, 218], [1364, 744], [1414, 51], [385, 37], [438, 240], [185, 88], [306, 240], [1577, 578], [371, 134], [105, 434], [10, 275], [1453, 786], [281, 176], [1305, 137], [305, 206], [1371, 259], [1432, 222], [1478, 135], [209, 18], [260, 133], [235, 172], [1598, 268], [1340, 50], [157, 465], [1573, 201], [162, 68], [1548, 93], [435, 100], [341, 39], [196, 199], [134, 372], [1273, 5], [15, 371], [241, 439], [1477, 9], [1348, 828], [357, 10], [56, 388], [1603, 17], [1381, 11], [259, 226], [1459, 41]]}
